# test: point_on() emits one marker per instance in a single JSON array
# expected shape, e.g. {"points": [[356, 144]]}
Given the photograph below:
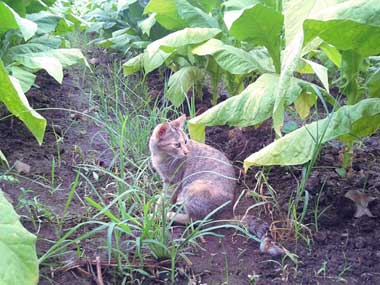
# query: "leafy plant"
{"points": [[18, 263], [347, 32], [228, 54], [121, 25], [26, 46]]}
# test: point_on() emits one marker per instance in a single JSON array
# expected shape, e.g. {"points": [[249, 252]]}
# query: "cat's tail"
{"points": [[260, 229]]}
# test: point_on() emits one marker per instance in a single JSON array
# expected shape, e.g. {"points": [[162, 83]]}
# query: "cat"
{"points": [[198, 177]]}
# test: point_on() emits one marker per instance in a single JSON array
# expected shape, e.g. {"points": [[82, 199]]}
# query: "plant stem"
{"points": [[348, 154]]}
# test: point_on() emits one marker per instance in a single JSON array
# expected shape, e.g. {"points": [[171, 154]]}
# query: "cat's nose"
{"points": [[185, 150]]}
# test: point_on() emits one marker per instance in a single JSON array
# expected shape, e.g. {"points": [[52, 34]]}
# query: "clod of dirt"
{"points": [[93, 60], [22, 167], [267, 245], [360, 242], [361, 201]]}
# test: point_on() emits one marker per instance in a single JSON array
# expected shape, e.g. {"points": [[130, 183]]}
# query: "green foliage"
{"points": [[252, 25], [14, 99], [18, 263], [348, 123], [26, 47], [235, 60], [258, 47], [166, 12], [180, 83], [251, 107]]}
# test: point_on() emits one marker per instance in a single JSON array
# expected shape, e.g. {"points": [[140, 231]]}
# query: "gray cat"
{"points": [[197, 176], [200, 178]]}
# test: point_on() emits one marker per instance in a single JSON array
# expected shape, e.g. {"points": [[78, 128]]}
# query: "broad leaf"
{"points": [[373, 84], [347, 25], [155, 55], [46, 21], [25, 77], [51, 64], [321, 72], [235, 60], [253, 25], [14, 99], [166, 13], [9, 20], [133, 65], [207, 6], [332, 53], [194, 16], [18, 262], [147, 24], [25, 49], [52, 60], [251, 107], [303, 104], [348, 123], [180, 83]]}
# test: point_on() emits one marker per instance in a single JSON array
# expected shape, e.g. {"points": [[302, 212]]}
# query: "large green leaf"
{"points": [[9, 20], [194, 16], [46, 21], [320, 71], [207, 6], [26, 48], [180, 83], [52, 60], [373, 84], [14, 99], [18, 262], [259, 25], [251, 107], [147, 24], [166, 13], [133, 65], [235, 60], [348, 123], [25, 77], [155, 56], [347, 25]]}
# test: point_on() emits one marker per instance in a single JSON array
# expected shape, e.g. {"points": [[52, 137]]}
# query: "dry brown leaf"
{"points": [[361, 201]]}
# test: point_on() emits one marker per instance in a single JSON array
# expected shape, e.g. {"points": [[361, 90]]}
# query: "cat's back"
{"points": [[207, 163]]}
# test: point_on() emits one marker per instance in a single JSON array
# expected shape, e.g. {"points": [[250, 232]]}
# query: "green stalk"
{"points": [[351, 62], [348, 155]]}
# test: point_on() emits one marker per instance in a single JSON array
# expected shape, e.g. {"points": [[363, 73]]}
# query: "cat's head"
{"points": [[169, 138]]}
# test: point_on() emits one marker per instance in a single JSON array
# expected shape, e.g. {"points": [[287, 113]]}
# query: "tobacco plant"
{"points": [[348, 33], [30, 43], [207, 41]]}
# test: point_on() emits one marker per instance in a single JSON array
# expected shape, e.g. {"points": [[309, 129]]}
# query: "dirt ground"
{"points": [[345, 249]]}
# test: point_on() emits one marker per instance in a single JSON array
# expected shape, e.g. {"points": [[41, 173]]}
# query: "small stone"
{"points": [[377, 254], [22, 167], [360, 242], [320, 236], [93, 60]]}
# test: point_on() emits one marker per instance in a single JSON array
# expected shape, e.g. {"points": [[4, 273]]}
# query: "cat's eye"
{"points": [[177, 145]]}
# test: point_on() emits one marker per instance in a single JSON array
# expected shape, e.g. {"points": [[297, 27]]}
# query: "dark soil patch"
{"points": [[70, 139], [344, 248]]}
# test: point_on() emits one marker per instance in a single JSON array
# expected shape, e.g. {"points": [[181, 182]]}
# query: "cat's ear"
{"points": [[162, 130], [179, 123]]}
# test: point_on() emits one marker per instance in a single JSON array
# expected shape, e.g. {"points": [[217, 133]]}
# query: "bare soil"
{"points": [[344, 249]]}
